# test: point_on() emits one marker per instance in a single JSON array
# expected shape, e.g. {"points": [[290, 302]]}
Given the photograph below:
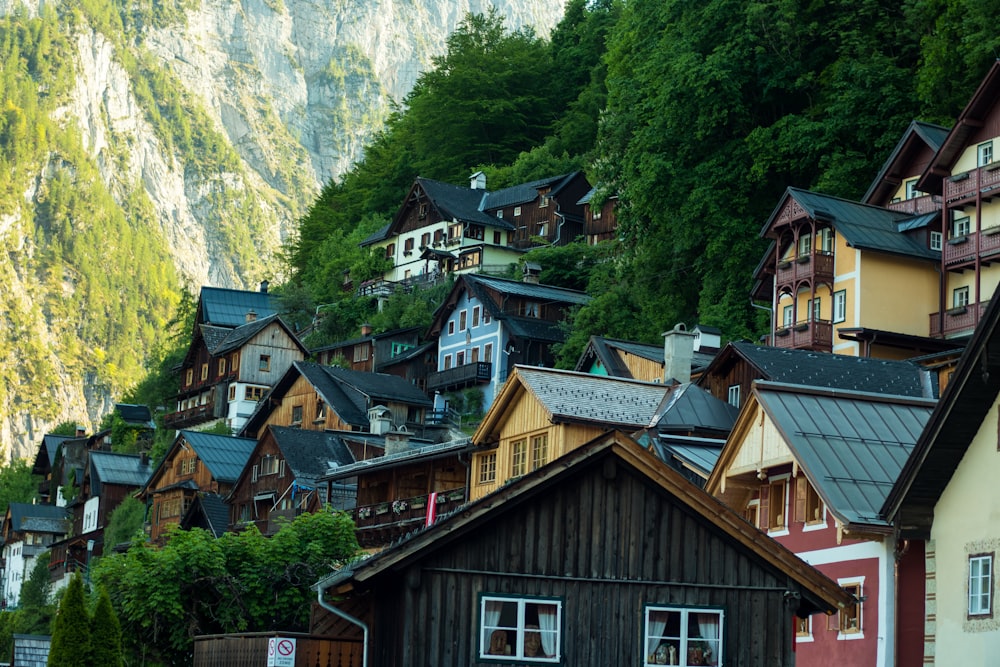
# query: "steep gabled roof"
{"points": [[969, 122], [425, 452], [918, 136], [696, 454], [46, 454], [862, 226], [236, 338], [224, 456], [310, 454], [525, 192], [124, 469], [380, 386], [208, 511], [228, 307], [822, 369], [964, 406], [850, 445], [135, 415], [689, 408], [37, 518], [819, 592], [533, 291]]}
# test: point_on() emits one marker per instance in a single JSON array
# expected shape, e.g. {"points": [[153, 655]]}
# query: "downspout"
{"points": [[347, 617]]}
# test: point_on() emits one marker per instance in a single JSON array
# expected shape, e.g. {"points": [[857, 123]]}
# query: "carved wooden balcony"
{"points": [[816, 268], [807, 335], [956, 321]]}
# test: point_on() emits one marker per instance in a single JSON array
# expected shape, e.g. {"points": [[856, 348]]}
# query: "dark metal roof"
{"points": [[49, 448], [932, 136], [700, 454], [310, 454], [418, 451], [111, 468], [380, 235], [379, 386], [223, 455], [850, 445], [38, 518], [208, 511], [229, 307], [688, 407], [455, 202], [862, 226], [835, 371], [525, 192], [533, 291], [137, 415]]}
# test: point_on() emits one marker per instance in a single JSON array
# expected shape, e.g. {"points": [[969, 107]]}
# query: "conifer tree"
{"points": [[105, 633], [71, 629]]}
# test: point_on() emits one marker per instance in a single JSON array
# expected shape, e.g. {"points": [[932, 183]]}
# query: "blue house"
{"points": [[487, 325]]}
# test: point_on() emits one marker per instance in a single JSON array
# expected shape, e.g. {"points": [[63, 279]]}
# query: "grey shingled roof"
{"points": [[349, 405], [573, 396], [310, 454], [30, 650], [533, 291], [863, 226], [455, 202], [380, 386], [223, 455], [688, 407], [228, 307], [837, 371], [850, 445], [112, 468]]}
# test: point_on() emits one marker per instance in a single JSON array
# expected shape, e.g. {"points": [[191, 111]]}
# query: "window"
{"points": [[189, 465], [204, 372], [486, 316], [849, 620], [734, 395], [189, 376], [222, 366], [911, 189], [682, 636], [826, 240], [776, 511], [517, 211], [808, 506], [985, 153], [936, 240], [960, 227], [803, 628], [752, 513], [805, 245], [451, 327], [543, 201], [235, 363], [425, 239], [523, 629], [462, 317], [475, 232], [539, 450], [361, 352], [488, 468], [254, 393], [788, 316], [296, 414], [488, 352], [455, 232], [460, 358], [981, 585], [500, 213], [497, 238], [960, 297], [268, 465], [529, 309], [447, 361], [232, 392], [408, 246], [475, 355], [840, 306], [390, 251], [812, 307], [265, 362], [519, 458], [475, 316], [320, 410], [438, 234]]}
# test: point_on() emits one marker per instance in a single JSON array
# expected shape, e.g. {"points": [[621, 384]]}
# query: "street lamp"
{"points": [[90, 550]]}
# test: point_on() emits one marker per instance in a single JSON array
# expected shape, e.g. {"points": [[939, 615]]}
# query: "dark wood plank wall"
{"points": [[606, 547]]}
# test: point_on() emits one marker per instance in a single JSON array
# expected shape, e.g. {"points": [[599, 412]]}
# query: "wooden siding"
{"points": [[606, 545], [763, 447], [740, 372], [173, 474], [303, 394], [251, 649], [276, 343], [642, 368]]}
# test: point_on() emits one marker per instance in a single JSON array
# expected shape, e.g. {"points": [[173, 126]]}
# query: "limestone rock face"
{"points": [[295, 88]]}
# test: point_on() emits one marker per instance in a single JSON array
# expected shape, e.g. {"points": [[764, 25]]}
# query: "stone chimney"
{"points": [[397, 441], [366, 329], [263, 286], [530, 272], [251, 316], [678, 352], [477, 181]]}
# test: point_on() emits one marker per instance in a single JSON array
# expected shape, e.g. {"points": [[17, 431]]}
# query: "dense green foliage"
{"points": [[71, 629], [17, 484], [125, 522], [237, 583]]}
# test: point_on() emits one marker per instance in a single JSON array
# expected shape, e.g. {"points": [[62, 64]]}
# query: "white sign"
{"points": [[280, 652]]}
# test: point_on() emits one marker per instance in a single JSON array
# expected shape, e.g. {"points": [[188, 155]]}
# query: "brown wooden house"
{"points": [[370, 351], [604, 557], [281, 478], [600, 222], [195, 463]]}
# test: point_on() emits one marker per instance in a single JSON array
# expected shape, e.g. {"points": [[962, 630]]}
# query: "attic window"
{"points": [[423, 211], [269, 465], [264, 364], [296, 414]]}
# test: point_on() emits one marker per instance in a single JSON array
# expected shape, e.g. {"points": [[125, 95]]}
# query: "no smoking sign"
{"points": [[280, 652]]}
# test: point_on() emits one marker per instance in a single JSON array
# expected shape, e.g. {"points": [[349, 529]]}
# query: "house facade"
{"points": [[370, 351], [811, 467], [605, 558], [27, 531], [600, 222], [487, 325]]}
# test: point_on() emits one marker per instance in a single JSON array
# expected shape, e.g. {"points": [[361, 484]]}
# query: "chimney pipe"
{"points": [[678, 353], [251, 316]]}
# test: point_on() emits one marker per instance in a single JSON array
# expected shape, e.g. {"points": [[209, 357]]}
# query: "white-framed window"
{"points": [[981, 585], [525, 629], [500, 213], [268, 465], [264, 362], [788, 316], [752, 512], [517, 211], [463, 317], [475, 317], [805, 244], [826, 240], [960, 297], [840, 306], [777, 504], [911, 189], [937, 240], [682, 636], [447, 361], [519, 457], [985, 153], [539, 450], [808, 505], [803, 629], [734, 395], [850, 620], [812, 307], [960, 227]]}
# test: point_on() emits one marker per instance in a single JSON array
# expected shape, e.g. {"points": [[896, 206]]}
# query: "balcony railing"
{"points": [[917, 205], [190, 417], [967, 184], [956, 321], [816, 267], [963, 249], [382, 522], [806, 335], [478, 372]]}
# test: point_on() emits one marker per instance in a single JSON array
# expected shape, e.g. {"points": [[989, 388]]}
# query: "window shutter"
{"points": [[801, 490], [254, 479]]}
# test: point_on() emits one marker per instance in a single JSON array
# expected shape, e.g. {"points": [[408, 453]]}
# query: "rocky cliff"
{"points": [[210, 125]]}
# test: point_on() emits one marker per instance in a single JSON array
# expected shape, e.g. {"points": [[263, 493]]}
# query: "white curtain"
{"points": [[708, 624], [654, 631], [491, 616], [547, 624]]}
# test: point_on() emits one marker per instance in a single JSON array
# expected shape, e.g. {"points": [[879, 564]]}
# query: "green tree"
{"points": [[105, 633], [125, 522], [71, 629], [17, 484]]}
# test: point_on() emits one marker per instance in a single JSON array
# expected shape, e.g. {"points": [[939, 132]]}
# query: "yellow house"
{"points": [[946, 498], [541, 414]]}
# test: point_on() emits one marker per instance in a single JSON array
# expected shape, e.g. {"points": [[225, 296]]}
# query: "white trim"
{"points": [[788, 487]]}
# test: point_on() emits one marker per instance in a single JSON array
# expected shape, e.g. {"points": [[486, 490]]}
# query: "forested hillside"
{"points": [[696, 114]]}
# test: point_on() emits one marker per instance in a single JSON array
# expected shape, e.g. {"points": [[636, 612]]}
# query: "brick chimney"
{"points": [[678, 352], [366, 329]]}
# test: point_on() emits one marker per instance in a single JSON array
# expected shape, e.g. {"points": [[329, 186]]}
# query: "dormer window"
{"points": [[543, 201], [911, 189], [985, 153]]}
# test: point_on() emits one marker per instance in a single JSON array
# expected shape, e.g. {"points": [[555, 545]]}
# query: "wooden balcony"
{"points": [[478, 372], [380, 523], [963, 188], [957, 321], [190, 417], [917, 205], [816, 268], [961, 251], [808, 335]]}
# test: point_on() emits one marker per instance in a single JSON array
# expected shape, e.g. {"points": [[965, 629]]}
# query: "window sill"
{"points": [[992, 166], [803, 259]]}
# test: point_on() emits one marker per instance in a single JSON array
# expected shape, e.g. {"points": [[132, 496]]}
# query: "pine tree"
{"points": [[71, 629], [105, 633]]}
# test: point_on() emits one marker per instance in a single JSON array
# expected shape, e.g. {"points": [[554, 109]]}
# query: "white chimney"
{"points": [[379, 420], [678, 352], [530, 272], [477, 181]]}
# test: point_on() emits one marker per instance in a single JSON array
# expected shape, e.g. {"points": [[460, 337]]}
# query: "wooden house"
{"points": [[239, 348], [600, 221], [281, 480], [405, 488], [605, 557], [45, 458], [487, 325], [315, 397], [732, 373], [642, 361], [370, 351], [811, 467], [943, 507], [195, 463], [26, 531]]}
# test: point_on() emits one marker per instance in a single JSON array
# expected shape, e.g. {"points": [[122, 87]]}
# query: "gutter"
{"points": [[321, 587]]}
